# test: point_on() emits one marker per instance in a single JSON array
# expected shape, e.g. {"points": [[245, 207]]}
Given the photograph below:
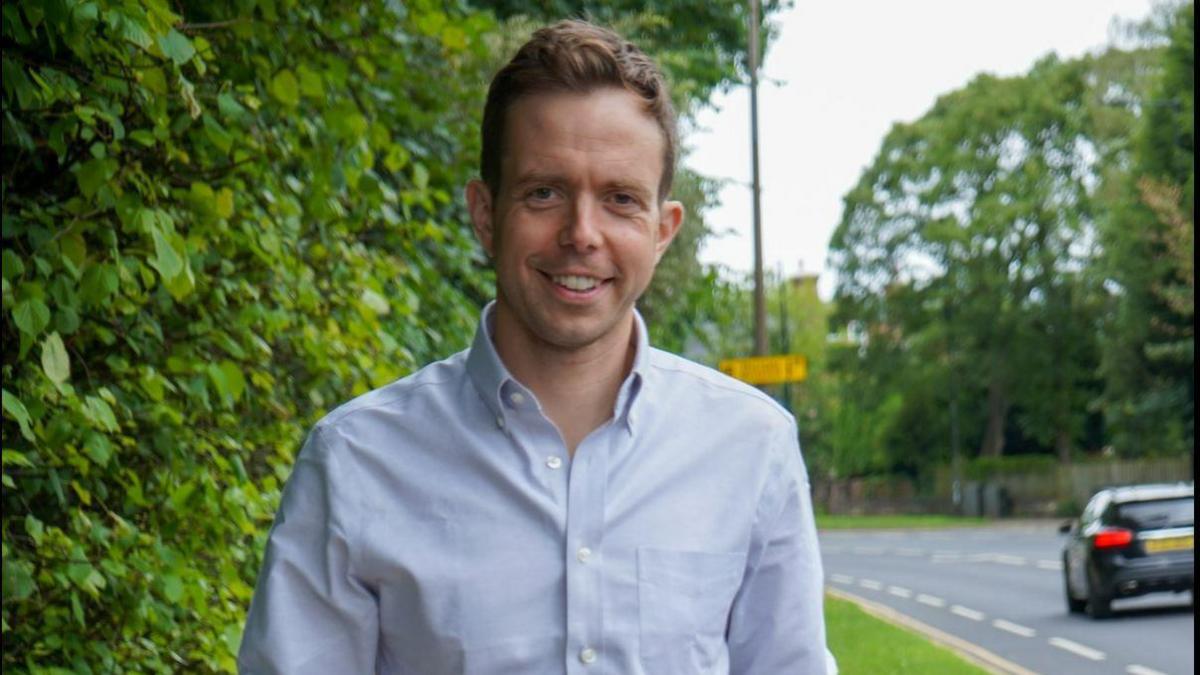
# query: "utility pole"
{"points": [[785, 337], [760, 302]]}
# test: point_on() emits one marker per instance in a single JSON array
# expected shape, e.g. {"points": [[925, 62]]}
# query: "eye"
{"points": [[540, 194], [624, 199]]}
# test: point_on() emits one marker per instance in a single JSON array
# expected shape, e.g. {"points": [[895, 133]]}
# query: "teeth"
{"points": [[575, 283]]}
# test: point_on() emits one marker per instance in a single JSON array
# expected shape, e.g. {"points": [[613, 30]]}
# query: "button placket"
{"points": [[586, 483]]}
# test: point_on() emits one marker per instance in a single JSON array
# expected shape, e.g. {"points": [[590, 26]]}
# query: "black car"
{"points": [[1130, 541]]}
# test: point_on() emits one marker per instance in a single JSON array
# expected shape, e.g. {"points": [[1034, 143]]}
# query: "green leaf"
{"points": [[18, 580], [176, 47], [129, 28], [14, 458], [224, 203], [228, 380], [166, 260], [16, 410], [375, 301], [310, 82], [55, 361], [35, 529], [98, 448], [31, 316], [172, 588], [97, 411], [285, 88], [93, 174], [12, 266]]}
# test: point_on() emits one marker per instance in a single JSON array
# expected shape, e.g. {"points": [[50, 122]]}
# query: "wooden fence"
{"points": [[1060, 490]]}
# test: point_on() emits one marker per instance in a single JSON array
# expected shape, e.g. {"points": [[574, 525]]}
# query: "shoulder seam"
{"points": [[334, 416], [754, 395]]}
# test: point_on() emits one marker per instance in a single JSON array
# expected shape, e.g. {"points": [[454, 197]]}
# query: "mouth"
{"points": [[577, 286]]}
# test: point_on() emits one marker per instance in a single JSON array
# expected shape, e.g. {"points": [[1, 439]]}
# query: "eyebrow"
{"points": [[549, 178], [538, 177]]}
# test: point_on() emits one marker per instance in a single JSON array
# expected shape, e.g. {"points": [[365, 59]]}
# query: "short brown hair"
{"points": [[580, 57]]}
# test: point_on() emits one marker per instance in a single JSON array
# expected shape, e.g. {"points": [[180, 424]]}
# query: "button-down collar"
{"points": [[501, 391]]}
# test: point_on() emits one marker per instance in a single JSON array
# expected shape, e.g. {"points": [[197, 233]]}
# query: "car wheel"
{"points": [[1073, 606], [1099, 603]]}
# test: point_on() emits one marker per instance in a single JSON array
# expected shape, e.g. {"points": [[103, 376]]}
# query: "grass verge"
{"points": [[865, 645], [841, 522]]}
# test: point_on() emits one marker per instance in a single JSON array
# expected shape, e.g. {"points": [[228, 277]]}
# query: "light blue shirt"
{"points": [[439, 526]]}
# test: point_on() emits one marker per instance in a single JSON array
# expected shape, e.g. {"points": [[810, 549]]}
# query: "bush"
{"points": [[216, 226]]}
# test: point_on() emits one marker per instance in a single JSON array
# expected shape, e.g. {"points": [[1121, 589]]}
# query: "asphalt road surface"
{"points": [[1000, 588]]}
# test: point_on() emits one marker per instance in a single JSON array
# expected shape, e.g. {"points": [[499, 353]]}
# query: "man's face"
{"points": [[577, 227]]}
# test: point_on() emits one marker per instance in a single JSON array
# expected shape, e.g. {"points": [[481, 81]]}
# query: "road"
{"points": [[1000, 587]]}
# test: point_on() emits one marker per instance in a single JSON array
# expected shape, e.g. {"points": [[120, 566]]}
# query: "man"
{"points": [[560, 498]]}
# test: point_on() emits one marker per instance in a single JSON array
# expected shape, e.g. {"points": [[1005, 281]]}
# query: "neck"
{"points": [[577, 387]]}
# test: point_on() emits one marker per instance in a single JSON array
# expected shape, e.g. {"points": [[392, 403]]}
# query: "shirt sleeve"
{"points": [[309, 613], [777, 623]]}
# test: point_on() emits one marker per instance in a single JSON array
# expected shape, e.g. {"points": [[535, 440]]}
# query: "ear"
{"points": [[670, 218], [479, 205]]}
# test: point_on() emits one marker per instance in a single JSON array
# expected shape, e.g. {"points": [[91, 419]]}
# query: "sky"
{"points": [[835, 80]]}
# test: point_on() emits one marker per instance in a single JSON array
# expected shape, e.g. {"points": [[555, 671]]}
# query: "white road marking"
{"points": [[842, 578], [931, 600], [1014, 628], [900, 591], [1008, 559], [868, 550], [910, 552], [871, 584], [1135, 669], [981, 557], [1049, 564], [967, 613], [1077, 649], [946, 557]]}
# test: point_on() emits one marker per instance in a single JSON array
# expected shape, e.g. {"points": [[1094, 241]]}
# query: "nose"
{"points": [[581, 231]]}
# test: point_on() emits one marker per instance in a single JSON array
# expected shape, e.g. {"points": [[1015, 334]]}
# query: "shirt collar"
{"points": [[493, 381]]}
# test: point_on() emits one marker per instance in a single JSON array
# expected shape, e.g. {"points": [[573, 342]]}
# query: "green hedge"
{"points": [[216, 226]]}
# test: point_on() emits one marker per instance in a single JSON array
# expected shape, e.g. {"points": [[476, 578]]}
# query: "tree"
{"points": [[1149, 235], [962, 249]]}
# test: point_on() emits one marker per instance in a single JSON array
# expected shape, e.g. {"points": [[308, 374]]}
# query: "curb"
{"points": [[969, 651]]}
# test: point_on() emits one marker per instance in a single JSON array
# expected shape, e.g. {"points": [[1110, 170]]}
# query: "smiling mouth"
{"points": [[575, 282]]}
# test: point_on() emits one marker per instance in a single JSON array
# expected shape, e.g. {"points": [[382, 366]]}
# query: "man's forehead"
{"points": [[608, 130]]}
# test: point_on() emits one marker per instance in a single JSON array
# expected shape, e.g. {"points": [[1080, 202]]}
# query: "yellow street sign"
{"points": [[767, 369]]}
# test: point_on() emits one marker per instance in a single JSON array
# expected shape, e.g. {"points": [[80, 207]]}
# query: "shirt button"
{"points": [[584, 554], [587, 655], [517, 398], [554, 462], [500, 421]]}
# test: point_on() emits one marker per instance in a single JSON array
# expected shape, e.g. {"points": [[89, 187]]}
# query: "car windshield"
{"points": [[1155, 514]]}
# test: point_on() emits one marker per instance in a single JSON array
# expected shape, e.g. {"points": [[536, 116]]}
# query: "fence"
{"points": [[1056, 490]]}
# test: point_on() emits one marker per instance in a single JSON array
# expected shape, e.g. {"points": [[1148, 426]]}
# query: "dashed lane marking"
{"points": [[1014, 628], [868, 550], [900, 591], [1049, 565], [1135, 669], [931, 600], [870, 584], [1078, 649], [842, 578], [967, 613], [1008, 559], [909, 552]]}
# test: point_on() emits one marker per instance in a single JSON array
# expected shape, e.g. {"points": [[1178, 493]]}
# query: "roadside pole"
{"points": [[760, 303]]}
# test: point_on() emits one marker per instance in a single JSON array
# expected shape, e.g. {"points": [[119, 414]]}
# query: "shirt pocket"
{"points": [[684, 598]]}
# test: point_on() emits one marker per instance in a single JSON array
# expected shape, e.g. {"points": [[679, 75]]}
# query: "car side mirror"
{"points": [[1065, 528]]}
